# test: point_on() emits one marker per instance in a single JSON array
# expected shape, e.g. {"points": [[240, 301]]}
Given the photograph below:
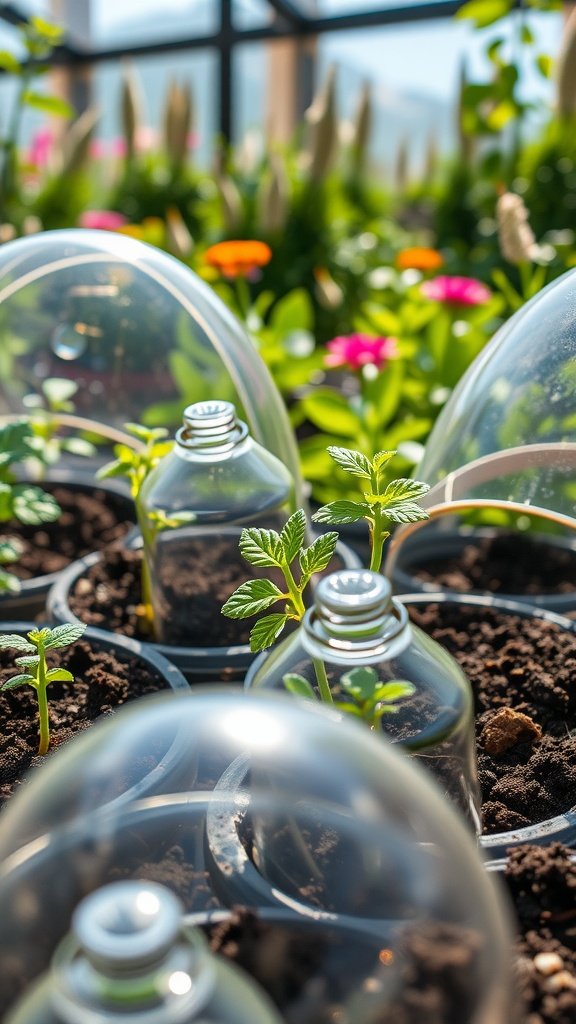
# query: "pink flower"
{"points": [[456, 291], [358, 350], [101, 149], [102, 220], [40, 147]]}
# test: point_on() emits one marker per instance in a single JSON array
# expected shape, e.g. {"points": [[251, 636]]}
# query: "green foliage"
{"points": [[288, 553], [135, 464], [54, 399], [396, 501], [366, 697], [32, 657]]}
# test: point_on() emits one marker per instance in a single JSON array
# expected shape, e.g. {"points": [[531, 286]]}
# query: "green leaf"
{"points": [[403, 490], [116, 468], [261, 547], [64, 635], [32, 505], [351, 461], [52, 105], [266, 631], [294, 312], [9, 63], [328, 410], [360, 683], [316, 557], [78, 446], [59, 675], [10, 550], [382, 459], [146, 434], [484, 12], [17, 642], [299, 686], [545, 65], [292, 536], [407, 512], [15, 681], [28, 661], [59, 389], [9, 584], [342, 511], [251, 598], [394, 690]]}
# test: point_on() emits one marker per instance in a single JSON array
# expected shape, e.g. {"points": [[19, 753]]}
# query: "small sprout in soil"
{"points": [[55, 398], [10, 551], [38, 675], [23, 501], [367, 697], [396, 502], [286, 552]]}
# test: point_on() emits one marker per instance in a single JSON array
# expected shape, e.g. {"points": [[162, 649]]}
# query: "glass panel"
{"points": [[331, 8], [251, 13], [136, 21], [41, 7], [250, 70]]}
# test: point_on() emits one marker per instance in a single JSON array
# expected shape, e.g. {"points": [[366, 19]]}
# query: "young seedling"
{"points": [[25, 502], [136, 464], [285, 552], [54, 399], [32, 650], [367, 697], [396, 502]]}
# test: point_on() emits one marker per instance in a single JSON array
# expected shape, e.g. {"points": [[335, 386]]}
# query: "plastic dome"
{"points": [[323, 830], [139, 333], [506, 440]]}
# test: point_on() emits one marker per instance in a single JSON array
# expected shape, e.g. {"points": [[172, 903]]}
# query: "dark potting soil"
{"points": [[102, 683], [506, 563], [110, 595], [542, 883], [89, 521], [528, 666]]}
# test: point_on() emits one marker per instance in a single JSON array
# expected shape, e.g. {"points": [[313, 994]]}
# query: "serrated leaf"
{"points": [[316, 557], [266, 631], [394, 690], [251, 598], [299, 686], [360, 682], [292, 536], [382, 459], [28, 661], [59, 675], [351, 461], [16, 642], [15, 681], [405, 490], [261, 547], [407, 512], [342, 511], [10, 550], [9, 584], [62, 636]]}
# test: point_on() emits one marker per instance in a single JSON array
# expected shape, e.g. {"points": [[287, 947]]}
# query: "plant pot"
{"points": [[540, 881], [560, 827], [198, 664], [428, 546], [140, 666], [30, 602]]}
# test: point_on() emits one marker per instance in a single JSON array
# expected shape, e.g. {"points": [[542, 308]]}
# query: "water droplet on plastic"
{"points": [[67, 343]]}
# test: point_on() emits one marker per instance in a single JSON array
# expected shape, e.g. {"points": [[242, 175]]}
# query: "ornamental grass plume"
{"points": [[419, 257], [358, 350], [238, 258], [516, 238], [456, 291]]}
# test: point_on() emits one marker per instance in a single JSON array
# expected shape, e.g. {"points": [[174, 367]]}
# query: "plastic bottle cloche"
{"points": [[360, 637], [310, 853], [138, 332]]}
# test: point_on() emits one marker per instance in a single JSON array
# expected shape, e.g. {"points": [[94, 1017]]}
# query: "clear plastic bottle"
{"points": [[356, 623], [191, 511], [129, 958]]}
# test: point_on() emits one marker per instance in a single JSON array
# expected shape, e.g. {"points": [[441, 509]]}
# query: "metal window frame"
{"points": [[288, 21]]}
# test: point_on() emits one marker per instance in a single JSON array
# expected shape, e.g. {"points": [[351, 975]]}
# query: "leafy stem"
{"points": [[366, 696], [32, 658], [396, 501], [286, 552]]}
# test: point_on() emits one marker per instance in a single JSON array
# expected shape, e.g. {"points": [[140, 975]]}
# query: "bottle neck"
{"points": [[210, 428], [355, 620]]}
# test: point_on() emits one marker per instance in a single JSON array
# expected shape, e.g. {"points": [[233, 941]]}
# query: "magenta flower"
{"points": [[102, 220], [456, 291], [358, 350], [103, 149]]}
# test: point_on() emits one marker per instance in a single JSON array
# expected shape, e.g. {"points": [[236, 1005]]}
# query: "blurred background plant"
{"points": [[367, 294]]}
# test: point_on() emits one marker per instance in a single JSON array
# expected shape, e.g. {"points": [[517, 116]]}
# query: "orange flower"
{"points": [[238, 259], [419, 258]]}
